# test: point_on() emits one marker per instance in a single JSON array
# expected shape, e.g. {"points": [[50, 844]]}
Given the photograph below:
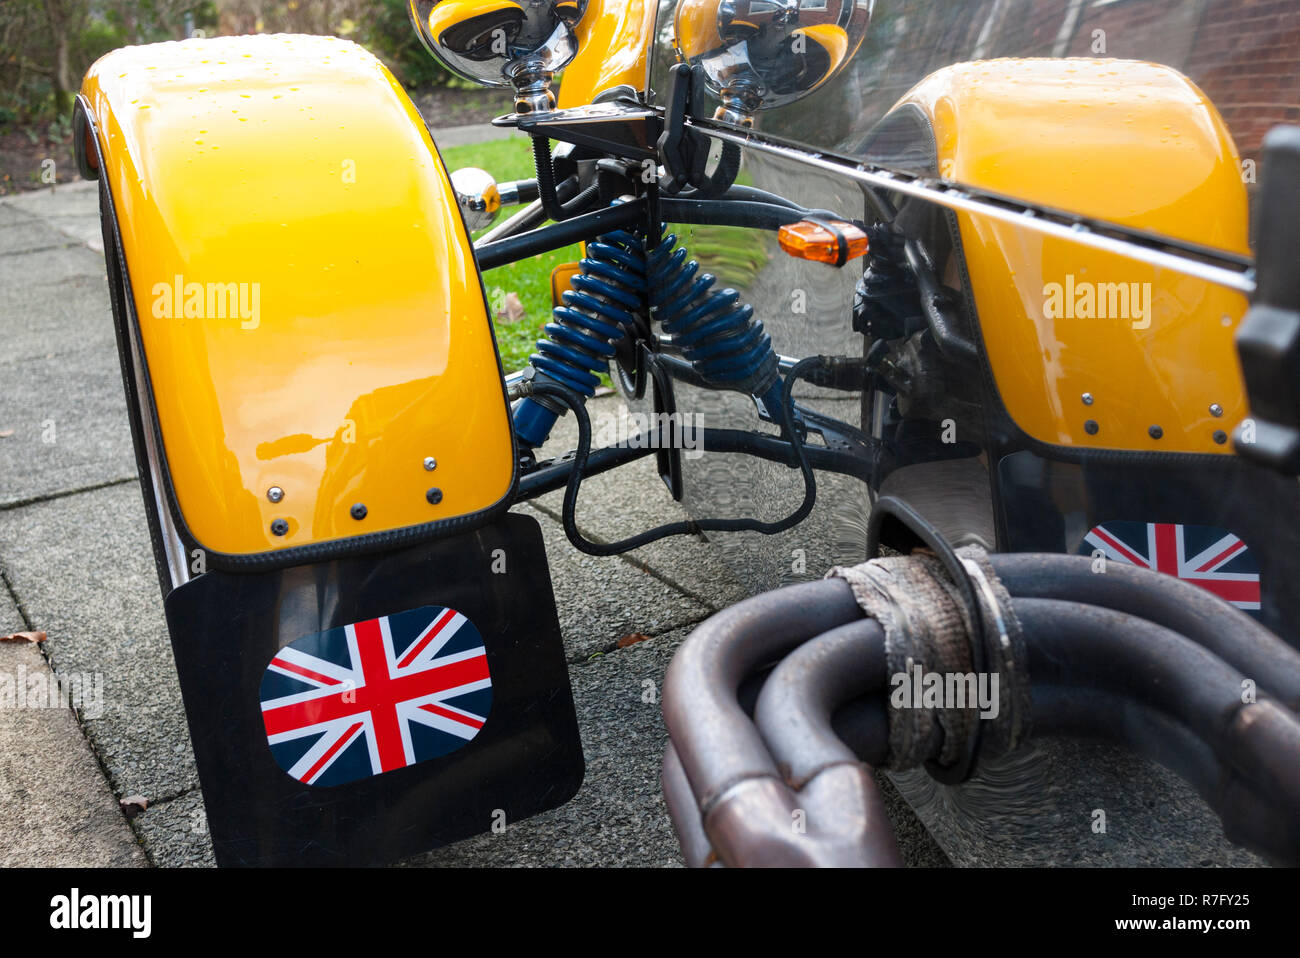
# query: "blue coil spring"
{"points": [[584, 333], [717, 334]]}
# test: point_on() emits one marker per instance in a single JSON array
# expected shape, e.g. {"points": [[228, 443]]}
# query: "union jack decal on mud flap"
{"points": [[1214, 559], [374, 696]]}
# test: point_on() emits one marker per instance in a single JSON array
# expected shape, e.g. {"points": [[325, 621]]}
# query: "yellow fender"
{"points": [[322, 366], [1133, 143]]}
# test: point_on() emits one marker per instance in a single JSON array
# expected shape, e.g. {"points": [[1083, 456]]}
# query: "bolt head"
{"points": [[275, 493], [434, 496], [1220, 436], [279, 527], [359, 510], [1155, 432], [1216, 409], [430, 463], [1087, 399], [1091, 427]]}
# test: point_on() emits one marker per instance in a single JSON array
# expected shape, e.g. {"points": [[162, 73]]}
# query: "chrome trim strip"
{"points": [[1214, 266]]}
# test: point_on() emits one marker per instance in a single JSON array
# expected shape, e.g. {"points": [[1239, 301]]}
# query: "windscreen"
{"points": [[1241, 56]]}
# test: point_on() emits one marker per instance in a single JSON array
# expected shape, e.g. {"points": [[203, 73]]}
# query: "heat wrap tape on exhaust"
{"points": [[927, 626]]}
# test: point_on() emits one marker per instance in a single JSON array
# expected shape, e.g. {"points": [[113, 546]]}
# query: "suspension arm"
{"points": [[552, 474], [578, 229]]}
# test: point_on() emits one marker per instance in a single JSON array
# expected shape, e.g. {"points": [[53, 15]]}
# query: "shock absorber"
{"points": [[717, 334], [584, 333]]}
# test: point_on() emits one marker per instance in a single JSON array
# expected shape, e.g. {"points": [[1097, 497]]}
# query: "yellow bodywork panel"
{"points": [[561, 278], [1133, 143], [614, 47], [308, 300]]}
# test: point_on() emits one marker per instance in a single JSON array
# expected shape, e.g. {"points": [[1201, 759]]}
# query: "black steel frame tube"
{"points": [[559, 235], [728, 212]]}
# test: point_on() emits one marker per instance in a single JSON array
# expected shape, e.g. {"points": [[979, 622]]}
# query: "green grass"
{"points": [[733, 254], [529, 279]]}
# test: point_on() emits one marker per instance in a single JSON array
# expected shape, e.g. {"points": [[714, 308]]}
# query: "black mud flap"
{"points": [[359, 711]]}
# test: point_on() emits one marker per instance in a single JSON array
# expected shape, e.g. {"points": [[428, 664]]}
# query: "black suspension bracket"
{"points": [[683, 150]]}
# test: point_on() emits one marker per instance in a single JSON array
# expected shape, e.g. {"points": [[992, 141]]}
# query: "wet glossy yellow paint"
{"points": [[1133, 143], [614, 45], [309, 305]]}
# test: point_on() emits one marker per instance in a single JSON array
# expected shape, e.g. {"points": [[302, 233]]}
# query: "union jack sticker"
{"points": [[375, 696], [1214, 559]]}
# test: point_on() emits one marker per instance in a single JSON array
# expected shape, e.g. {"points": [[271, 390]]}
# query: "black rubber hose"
{"points": [[690, 527], [728, 212], [750, 194], [950, 342], [1228, 632], [806, 688]]}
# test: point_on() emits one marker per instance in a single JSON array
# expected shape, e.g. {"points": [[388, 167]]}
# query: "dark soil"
{"points": [[22, 162]]}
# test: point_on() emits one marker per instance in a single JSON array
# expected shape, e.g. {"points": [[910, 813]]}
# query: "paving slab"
{"points": [[66, 419], [21, 236], [83, 569], [71, 208], [175, 833], [632, 499], [618, 816], [602, 599], [56, 808], [63, 419], [48, 317]]}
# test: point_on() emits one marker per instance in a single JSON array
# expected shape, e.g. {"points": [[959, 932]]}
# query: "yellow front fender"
{"points": [[317, 342], [1123, 141]]}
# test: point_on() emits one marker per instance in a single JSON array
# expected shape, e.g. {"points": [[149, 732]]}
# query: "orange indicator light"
{"points": [[823, 241]]}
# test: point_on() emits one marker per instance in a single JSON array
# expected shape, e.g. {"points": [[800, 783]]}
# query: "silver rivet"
{"points": [[275, 493], [430, 463], [1216, 409], [1087, 399]]}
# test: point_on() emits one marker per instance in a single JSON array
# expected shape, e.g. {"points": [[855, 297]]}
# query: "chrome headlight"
{"points": [[477, 196], [502, 43], [759, 54]]}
